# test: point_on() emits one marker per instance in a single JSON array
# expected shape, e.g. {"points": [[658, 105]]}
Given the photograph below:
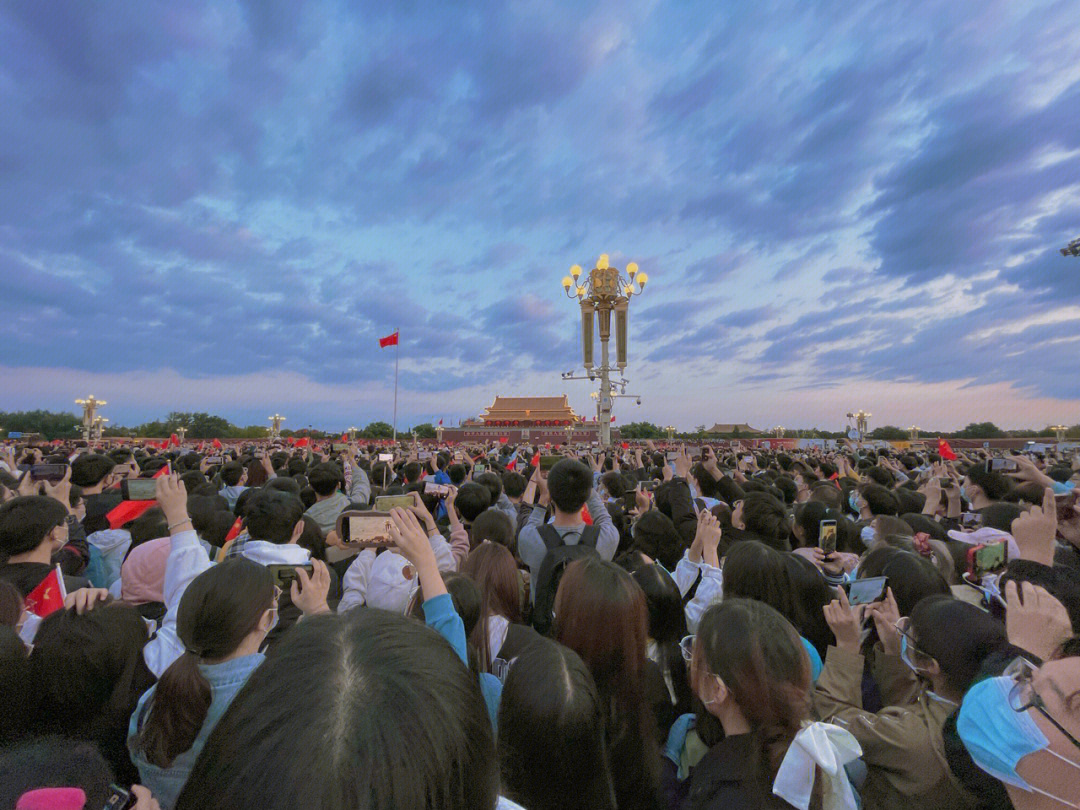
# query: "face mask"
{"points": [[853, 501], [998, 737], [963, 492], [867, 534], [905, 655]]}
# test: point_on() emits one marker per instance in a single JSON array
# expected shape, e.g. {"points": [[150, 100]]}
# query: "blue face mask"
{"points": [[867, 534], [998, 737], [963, 493], [853, 501]]}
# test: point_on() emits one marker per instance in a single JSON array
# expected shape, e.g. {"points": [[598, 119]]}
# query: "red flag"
{"points": [[344, 439], [612, 418], [234, 532], [626, 445], [304, 442], [48, 596], [503, 440], [945, 451], [389, 340], [174, 439], [216, 443], [586, 518], [290, 440], [535, 459], [126, 511], [513, 464], [440, 423]]}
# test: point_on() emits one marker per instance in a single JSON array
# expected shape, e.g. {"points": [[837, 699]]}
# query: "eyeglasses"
{"points": [[903, 627], [1023, 695], [686, 647]]}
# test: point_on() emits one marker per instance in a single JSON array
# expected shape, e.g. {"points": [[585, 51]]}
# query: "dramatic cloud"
{"points": [[838, 206]]}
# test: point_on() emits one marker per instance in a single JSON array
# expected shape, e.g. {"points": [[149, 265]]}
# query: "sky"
{"points": [[222, 206]]}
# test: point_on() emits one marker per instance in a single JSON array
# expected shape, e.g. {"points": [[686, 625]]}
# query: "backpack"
{"points": [[558, 557]]}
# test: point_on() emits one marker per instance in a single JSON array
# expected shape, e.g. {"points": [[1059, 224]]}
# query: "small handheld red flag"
{"points": [[626, 445], [48, 596], [503, 440], [389, 340], [234, 532], [174, 439], [535, 460], [216, 443], [344, 439], [304, 442], [586, 518], [945, 450]]}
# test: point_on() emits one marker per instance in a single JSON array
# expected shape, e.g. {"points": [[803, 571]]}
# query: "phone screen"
{"points": [[991, 557], [384, 503], [865, 591], [827, 536], [386, 456], [284, 574], [339, 447], [547, 462], [671, 456], [629, 500], [48, 472], [1002, 465], [138, 489], [431, 488], [366, 530]]}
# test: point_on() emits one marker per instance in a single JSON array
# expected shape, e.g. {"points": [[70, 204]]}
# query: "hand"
{"points": [[421, 511], [171, 496], [667, 473], [844, 622], [594, 463], [642, 501], [885, 615], [932, 490], [60, 491], [85, 599], [1035, 530], [708, 529], [811, 553], [1034, 620], [411, 542], [27, 485], [146, 800], [682, 463], [309, 593], [542, 488], [268, 466], [333, 538]]}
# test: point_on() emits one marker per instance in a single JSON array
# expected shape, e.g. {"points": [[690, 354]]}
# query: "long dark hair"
{"points": [[364, 710], [492, 567], [220, 607], [600, 614], [551, 713], [758, 655]]}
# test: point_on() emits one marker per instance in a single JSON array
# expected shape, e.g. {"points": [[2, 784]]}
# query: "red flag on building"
{"points": [[503, 440], [440, 423], [48, 596], [389, 340], [613, 418], [945, 450]]}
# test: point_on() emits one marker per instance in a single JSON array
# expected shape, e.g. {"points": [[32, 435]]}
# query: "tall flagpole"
{"points": [[397, 354]]}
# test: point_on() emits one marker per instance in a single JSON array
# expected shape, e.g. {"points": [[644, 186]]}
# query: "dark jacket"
{"points": [[97, 507], [722, 780], [27, 575]]}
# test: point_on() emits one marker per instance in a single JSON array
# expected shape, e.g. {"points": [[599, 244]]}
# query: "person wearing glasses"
{"points": [[943, 644]]}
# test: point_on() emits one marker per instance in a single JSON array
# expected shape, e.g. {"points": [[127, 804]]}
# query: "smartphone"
{"points": [[648, 486], [1001, 465], [384, 503], [827, 536], [748, 459], [971, 519], [120, 799], [458, 457], [547, 462], [423, 455], [339, 447], [1065, 505], [672, 455], [213, 459], [48, 472], [284, 574], [479, 468], [259, 454], [138, 489], [364, 529], [946, 482], [386, 456], [629, 500], [987, 557], [865, 591], [440, 490]]}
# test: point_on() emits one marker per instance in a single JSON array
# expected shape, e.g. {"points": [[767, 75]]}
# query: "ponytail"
{"points": [[177, 712], [219, 609]]}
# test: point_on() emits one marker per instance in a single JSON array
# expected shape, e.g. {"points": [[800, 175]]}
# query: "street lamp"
{"points": [[778, 432], [569, 432], [275, 425], [1071, 249], [913, 433], [352, 433], [1059, 432], [89, 406], [99, 427], [860, 416], [605, 290], [670, 432]]}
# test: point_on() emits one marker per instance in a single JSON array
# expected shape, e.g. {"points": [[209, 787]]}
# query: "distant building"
{"points": [[525, 419], [733, 430]]}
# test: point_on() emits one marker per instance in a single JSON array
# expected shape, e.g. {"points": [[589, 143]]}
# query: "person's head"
{"points": [[807, 524], [569, 484], [88, 670], [1000, 516], [233, 474], [377, 706], [656, 537], [495, 526], [881, 476], [827, 493], [11, 604], [284, 484], [753, 570], [325, 478], [472, 499], [91, 469], [982, 486], [946, 640], [493, 569], [492, 482], [550, 713], [514, 484], [763, 515], [613, 483], [16, 685], [29, 522], [878, 500], [230, 607], [54, 762], [749, 667], [457, 473], [274, 516], [411, 471]]}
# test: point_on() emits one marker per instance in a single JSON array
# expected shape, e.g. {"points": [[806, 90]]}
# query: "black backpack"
{"points": [[559, 555]]}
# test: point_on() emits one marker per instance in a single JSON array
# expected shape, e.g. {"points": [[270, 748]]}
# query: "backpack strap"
{"points": [[552, 539], [590, 535]]}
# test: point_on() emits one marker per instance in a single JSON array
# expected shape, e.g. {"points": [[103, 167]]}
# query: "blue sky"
{"points": [[221, 206]]}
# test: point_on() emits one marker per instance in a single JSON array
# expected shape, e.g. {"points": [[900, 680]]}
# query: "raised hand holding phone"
{"points": [[886, 614], [412, 543], [844, 622], [1035, 530], [309, 592]]}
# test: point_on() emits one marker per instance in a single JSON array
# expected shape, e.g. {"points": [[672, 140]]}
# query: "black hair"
{"points": [[283, 483], [569, 484], [352, 698], [879, 500], [492, 482], [16, 686], [614, 484], [996, 485], [272, 515], [656, 536], [411, 471], [766, 517], [514, 484], [958, 635], [219, 609], [551, 713], [472, 499], [1000, 516], [810, 593], [494, 525], [90, 470], [25, 522], [325, 478], [54, 761]]}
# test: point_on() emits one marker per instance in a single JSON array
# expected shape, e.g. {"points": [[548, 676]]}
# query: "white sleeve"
{"points": [[444, 555], [187, 559], [686, 573], [354, 583], [709, 591]]}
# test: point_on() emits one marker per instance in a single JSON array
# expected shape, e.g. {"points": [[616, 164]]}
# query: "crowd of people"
{"points": [[631, 628]]}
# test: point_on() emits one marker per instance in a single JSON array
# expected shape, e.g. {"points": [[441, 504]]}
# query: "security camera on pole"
{"points": [[605, 291]]}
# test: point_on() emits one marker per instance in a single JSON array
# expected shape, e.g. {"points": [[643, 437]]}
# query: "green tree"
{"points": [[424, 431], [980, 430], [49, 424], [888, 433], [378, 430], [640, 430]]}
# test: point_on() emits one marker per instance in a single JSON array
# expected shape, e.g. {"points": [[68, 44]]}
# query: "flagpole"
{"points": [[397, 354]]}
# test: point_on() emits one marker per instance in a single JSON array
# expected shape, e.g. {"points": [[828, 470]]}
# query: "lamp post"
{"points": [[89, 406], [670, 432], [181, 432], [1059, 432], [778, 432], [913, 433], [99, 427], [275, 425], [605, 291], [569, 433], [860, 416], [352, 433]]}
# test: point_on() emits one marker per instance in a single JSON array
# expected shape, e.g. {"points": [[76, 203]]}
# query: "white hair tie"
{"points": [[824, 746]]}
